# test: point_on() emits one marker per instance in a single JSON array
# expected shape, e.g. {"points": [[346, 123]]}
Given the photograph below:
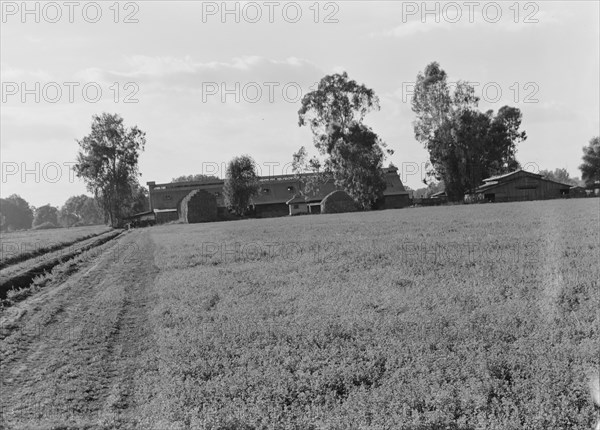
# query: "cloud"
{"points": [[425, 18], [184, 70], [185, 81], [10, 74]]}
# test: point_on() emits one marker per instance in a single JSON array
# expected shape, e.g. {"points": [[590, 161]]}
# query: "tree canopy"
{"points": [[139, 199], [353, 152], [590, 168], [199, 177], [465, 145], [560, 175], [241, 184], [80, 210], [15, 213], [108, 163], [46, 214]]}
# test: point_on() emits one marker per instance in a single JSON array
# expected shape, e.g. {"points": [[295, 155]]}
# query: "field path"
{"points": [[70, 355]]}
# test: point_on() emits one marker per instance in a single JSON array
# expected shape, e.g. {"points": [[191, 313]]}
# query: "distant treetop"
{"points": [[196, 178]]}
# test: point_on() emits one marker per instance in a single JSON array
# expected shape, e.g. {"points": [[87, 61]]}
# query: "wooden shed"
{"points": [[519, 186], [141, 219], [297, 205], [165, 215]]}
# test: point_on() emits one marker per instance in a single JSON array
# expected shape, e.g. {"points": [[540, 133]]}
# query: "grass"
{"points": [[20, 245], [465, 317], [459, 317]]}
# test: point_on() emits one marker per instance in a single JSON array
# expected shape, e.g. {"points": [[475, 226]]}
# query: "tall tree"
{"points": [[108, 163], [308, 173], [464, 144], [357, 165], [46, 214], [353, 153], [17, 213], [241, 184], [590, 168]]}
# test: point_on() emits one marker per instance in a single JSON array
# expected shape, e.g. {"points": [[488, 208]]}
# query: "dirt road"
{"points": [[71, 355]]}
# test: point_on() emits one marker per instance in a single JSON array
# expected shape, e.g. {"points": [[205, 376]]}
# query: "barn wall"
{"points": [[170, 198], [301, 209], [272, 210], [527, 188], [270, 201], [162, 217], [396, 201]]}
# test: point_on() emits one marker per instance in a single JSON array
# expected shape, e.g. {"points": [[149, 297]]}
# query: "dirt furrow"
{"points": [[70, 359]]}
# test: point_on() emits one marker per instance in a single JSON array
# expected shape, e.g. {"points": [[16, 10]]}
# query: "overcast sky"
{"points": [[179, 66]]}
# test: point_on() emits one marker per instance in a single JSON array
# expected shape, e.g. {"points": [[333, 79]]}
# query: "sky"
{"points": [[207, 81]]}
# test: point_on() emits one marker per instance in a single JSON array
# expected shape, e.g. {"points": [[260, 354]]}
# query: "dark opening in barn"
{"points": [[199, 206]]}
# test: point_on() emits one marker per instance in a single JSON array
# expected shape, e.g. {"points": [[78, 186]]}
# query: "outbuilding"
{"points": [[520, 186], [178, 201], [297, 205]]}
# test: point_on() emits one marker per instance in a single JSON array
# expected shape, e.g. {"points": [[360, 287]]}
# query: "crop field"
{"points": [[33, 242], [456, 317]]}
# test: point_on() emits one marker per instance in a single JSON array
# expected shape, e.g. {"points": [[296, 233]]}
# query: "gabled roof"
{"points": [[139, 215], [498, 178], [295, 200], [496, 181]]}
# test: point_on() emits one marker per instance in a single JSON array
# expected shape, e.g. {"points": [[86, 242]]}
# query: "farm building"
{"points": [[278, 196], [520, 185], [338, 202], [297, 205], [141, 219]]}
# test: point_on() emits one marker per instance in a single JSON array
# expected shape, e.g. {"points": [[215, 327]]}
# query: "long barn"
{"points": [[520, 185], [204, 201]]}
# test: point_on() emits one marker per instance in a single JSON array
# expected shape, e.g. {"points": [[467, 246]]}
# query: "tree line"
{"points": [[107, 161], [465, 146], [17, 214]]}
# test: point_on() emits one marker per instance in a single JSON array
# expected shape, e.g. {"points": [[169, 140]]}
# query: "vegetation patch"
{"points": [[487, 321], [21, 246]]}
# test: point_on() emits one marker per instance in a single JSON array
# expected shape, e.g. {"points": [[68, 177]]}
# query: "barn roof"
{"points": [[164, 210], [277, 189], [139, 215], [296, 199], [499, 178], [496, 181], [269, 178]]}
